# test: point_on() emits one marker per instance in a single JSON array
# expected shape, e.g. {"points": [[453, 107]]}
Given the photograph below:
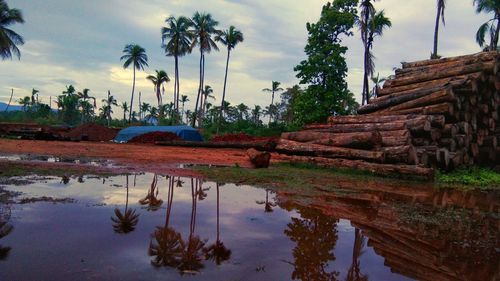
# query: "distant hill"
{"points": [[12, 107]]}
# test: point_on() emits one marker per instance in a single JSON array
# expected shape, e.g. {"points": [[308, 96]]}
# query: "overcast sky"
{"points": [[81, 42]]}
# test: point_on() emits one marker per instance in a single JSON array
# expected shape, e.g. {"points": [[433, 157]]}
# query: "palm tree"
{"points": [[86, 107], [25, 102], [125, 109], [268, 206], [145, 107], [217, 251], [107, 108], [441, 5], [8, 38], [229, 38], [125, 222], [275, 88], [377, 81], [179, 44], [204, 26], [183, 100], [256, 112], [34, 93], [151, 200], [158, 80], [134, 55], [5, 229], [354, 272], [367, 12], [242, 111], [492, 26], [206, 93]]}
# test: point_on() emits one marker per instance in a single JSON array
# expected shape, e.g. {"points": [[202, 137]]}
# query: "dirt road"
{"points": [[143, 157]]}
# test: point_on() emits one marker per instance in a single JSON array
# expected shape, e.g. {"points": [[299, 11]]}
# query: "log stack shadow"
{"points": [[432, 114]]}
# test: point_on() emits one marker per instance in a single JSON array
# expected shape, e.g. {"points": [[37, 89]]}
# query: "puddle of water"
{"points": [[53, 159], [161, 228]]}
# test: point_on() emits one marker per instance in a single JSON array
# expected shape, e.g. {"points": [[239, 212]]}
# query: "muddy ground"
{"points": [[136, 157]]}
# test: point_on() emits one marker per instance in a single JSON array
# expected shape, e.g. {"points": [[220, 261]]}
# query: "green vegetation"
{"points": [[491, 27], [134, 55], [9, 40], [16, 169], [475, 177]]}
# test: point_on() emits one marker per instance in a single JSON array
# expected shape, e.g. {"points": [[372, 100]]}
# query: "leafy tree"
{"points": [[158, 80], [87, 109], [9, 40], [441, 5], [179, 44], [134, 55], [68, 104], [274, 88], [325, 69], [256, 113], [229, 38], [492, 26], [204, 26], [206, 93]]}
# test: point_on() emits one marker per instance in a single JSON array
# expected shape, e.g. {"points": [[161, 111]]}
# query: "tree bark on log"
{"points": [[365, 140], [479, 56], [259, 159], [296, 148]]}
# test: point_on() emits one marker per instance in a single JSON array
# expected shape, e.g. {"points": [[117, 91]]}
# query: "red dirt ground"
{"points": [[240, 137], [153, 137], [91, 132], [146, 158]]}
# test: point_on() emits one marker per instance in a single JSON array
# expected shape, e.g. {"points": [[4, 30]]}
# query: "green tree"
{"points": [[204, 26], [124, 107], [158, 80], [325, 70], [145, 107], [134, 55], [275, 87], [68, 104], [87, 109], [9, 40], [229, 38], [183, 101], [178, 45], [107, 108], [206, 93], [25, 102], [441, 5], [256, 113], [492, 26]]}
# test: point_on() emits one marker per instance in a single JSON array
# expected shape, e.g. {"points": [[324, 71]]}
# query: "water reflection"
{"points": [[151, 200], [268, 206], [5, 229], [127, 221], [217, 251]]}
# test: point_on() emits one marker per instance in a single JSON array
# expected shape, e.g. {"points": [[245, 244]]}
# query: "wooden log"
{"points": [[450, 130], [449, 143], [437, 109], [400, 154], [261, 145], [365, 140], [259, 159], [395, 138], [422, 123], [399, 98], [449, 72], [356, 119], [374, 168], [434, 98], [421, 141], [479, 56], [296, 148]]}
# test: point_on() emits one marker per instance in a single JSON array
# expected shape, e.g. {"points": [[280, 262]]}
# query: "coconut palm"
{"points": [[377, 81], [134, 55], [151, 200], [268, 206], [256, 112], [158, 80], [166, 245], [204, 26], [107, 108], [492, 26], [183, 101], [5, 229], [242, 111], [34, 93], [124, 107], [206, 93], [9, 40], [229, 38], [354, 272], [86, 107], [274, 89], [70, 90], [367, 12], [218, 251], [25, 102], [179, 44], [441, 5], [145, 107], [127, 221]]}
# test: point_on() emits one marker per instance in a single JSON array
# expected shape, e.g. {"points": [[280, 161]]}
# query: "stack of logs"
{"points": [[433, 114]]}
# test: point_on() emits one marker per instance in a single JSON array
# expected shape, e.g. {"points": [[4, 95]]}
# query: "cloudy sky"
{"points": [[81, 42]]}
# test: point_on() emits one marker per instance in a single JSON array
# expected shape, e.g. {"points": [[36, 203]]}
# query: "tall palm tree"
{"points": [[204, 26], [441, 5], [229, 38], [218, 251], [86, 107], [367, 12], [158, 80], [256, 112], [125, 109], [145, 107], [25, 102], [151, 200], [34, 93], [179, 44], [206, 93], [183, 101], [125, 222], [492, 26], [134, 55], [9, 40], [107, 108], [275, 87]]}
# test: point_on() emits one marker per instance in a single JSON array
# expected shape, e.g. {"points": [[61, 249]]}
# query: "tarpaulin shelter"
{"points": [[184, 132]]}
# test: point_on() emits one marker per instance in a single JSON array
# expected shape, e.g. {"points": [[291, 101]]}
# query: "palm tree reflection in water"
{"points": [[151, 200], [127, 221], [5, 229], [268, 206], [354, 273], [217, 252]]}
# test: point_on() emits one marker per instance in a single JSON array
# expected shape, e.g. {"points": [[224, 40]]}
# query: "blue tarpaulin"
{"points": [[184, 132]]}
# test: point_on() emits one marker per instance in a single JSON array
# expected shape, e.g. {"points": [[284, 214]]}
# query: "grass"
{"points": [[471, 178]]}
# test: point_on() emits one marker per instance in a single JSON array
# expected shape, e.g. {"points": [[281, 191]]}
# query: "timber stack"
{"points": [[440, 113]]}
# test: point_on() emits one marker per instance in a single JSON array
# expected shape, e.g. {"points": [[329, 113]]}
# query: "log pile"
{"points": [[432, 114]]}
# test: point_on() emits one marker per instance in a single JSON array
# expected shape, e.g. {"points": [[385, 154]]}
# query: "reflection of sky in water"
{"points": [[76, 241]]}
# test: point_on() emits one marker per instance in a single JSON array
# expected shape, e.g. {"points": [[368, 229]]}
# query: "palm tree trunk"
{"points": [[132, 99], [10, 100], [365, 78], [436, 34], [203, 96], [224, 89], [497, 34], [218, 230], [199, 90]]}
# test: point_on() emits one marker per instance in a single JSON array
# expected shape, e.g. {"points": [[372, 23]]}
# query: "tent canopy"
{"points": [[184, 132]]}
